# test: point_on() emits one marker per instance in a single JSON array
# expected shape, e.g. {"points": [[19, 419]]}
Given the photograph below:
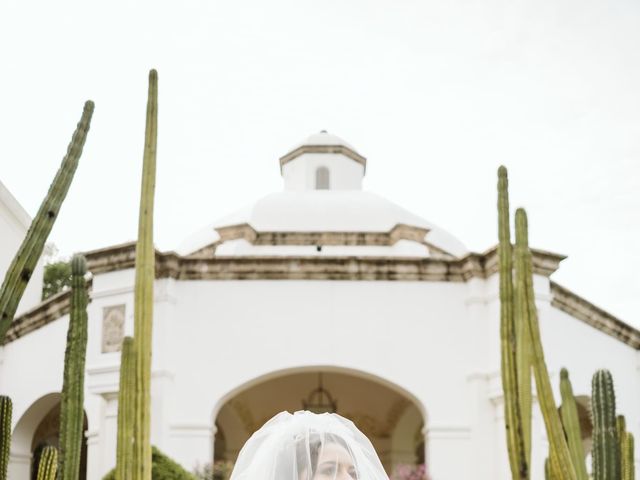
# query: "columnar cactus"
{"points": [[145, 274], [571, 423], [606, 451], [561, 465], [523, 338], [24, 262], [48, 465], [627, 455], [6, 410], [72, 403], [509, 368], [126, 412]]}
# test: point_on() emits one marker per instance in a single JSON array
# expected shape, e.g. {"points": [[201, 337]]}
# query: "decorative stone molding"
{"points": [[581, 309], [113, 319], [171, 265], [51, 309], [246, 232], [331, 149]]}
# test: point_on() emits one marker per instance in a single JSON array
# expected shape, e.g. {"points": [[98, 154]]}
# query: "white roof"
{"points": [[323, 211], [323, 138]]}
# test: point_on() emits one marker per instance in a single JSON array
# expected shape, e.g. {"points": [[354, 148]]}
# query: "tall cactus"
{"points": [[145, 274], [126, 413], [25, 261], [512, 406], [6, 410], [571, 422], [48, 465], [560, 457], [606, 451], [523, 338], [72, 403]]}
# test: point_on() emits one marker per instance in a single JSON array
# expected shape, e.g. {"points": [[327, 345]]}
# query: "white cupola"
{"points": [[323, 162]]}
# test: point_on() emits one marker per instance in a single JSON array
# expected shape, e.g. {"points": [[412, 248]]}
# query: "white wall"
{"points": [[438, 341], [344, 173]]}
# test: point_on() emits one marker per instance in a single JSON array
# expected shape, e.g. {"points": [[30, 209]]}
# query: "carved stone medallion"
{"points": [[112, 328]]}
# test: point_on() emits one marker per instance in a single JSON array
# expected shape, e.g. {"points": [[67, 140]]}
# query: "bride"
{"points": [[308, 446]]}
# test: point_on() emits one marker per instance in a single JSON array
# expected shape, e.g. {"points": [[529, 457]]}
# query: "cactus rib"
{"points": [[571, 423]]}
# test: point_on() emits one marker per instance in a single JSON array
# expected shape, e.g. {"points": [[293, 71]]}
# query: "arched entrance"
{"points": [[39, 427], [392, 418]]}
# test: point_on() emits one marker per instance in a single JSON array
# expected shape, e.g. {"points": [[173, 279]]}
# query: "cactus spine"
{"points": [[24, 262], [48, 464], [571, 422], [606, 452], [561, 465], [145, 274], [126, 413], [512, 404], [6, 409], [72, 403]]}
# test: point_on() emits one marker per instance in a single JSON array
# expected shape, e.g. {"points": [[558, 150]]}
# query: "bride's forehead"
{"points": [[331, 451]]}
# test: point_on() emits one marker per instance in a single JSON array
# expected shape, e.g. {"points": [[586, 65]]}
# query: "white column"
{"points": [[192, 445], [448, 452], [19, 465]]}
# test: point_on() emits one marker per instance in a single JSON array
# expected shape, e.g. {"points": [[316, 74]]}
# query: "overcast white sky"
{"points": [[436, 94]]}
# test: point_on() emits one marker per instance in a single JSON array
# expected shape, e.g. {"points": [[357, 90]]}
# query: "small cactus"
{"points": [[6, 409], [628, 461], [606, 451], [72, 403], [23, 264], [126, 412], [48, 465]]}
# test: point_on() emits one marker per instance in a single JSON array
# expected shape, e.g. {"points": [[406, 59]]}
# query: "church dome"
{"points": [[334, 218]]}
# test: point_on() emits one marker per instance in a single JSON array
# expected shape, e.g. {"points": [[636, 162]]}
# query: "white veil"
{"points": [[308, 446]]}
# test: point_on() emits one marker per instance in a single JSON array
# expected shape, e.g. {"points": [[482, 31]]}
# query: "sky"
{"points": [[436, 94]]}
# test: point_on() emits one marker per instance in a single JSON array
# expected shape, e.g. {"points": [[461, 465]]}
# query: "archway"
{"points": [[391, 417], [38, 427]]}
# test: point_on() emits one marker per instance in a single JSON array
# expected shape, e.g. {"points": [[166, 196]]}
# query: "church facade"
{"points": [[321, 296]]}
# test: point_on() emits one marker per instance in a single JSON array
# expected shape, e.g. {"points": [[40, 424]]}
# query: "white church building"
{"points": [[320, 293]]}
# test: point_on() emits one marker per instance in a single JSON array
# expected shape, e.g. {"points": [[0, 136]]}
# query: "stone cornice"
{"points": [[246, 232], [49, 310], [581, 309], [335, 149], [171, 265]]}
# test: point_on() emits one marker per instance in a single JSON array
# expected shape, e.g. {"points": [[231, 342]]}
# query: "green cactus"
{"points": [[628, 461], [606, 451], [48, 464], [6, 409], [72, 403], [23, 264], [571, 423], [145, 274], [509, 366], [561, 464], [523, 338], [126, 413]]}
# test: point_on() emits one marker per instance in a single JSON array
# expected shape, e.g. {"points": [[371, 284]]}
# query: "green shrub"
{"points": [[162, 468]]}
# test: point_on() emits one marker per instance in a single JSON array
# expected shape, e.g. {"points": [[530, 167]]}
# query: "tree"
{"points": [[57, 277]]}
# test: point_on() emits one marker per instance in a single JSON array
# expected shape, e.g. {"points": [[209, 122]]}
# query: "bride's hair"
{"points": [[308, 450]]}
